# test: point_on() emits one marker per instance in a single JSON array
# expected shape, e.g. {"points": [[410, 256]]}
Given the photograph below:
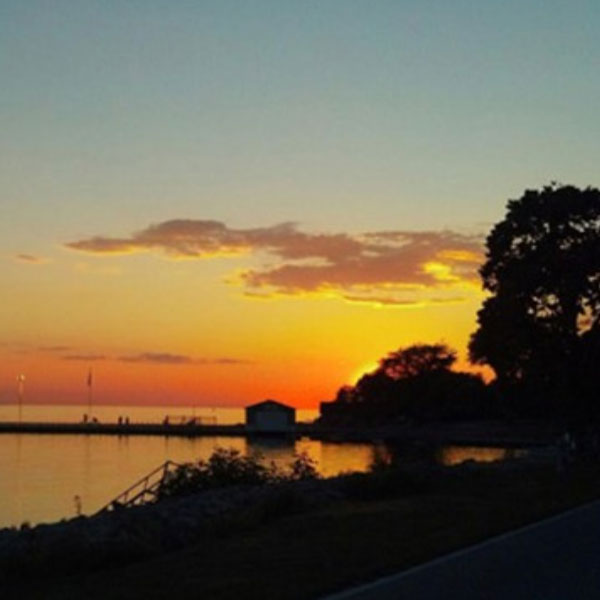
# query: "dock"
{"points": [[96, 428], [505, 436]]}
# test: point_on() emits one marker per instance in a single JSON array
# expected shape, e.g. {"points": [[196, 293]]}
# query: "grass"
{"points": [[309, 555]]}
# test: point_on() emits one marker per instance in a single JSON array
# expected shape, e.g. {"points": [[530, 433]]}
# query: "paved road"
{"points": [[557, 559]]}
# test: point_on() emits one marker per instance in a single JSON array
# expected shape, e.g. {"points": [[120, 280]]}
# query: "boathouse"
{"points": [[270, 416]]}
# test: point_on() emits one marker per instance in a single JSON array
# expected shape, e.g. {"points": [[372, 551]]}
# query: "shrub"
{"points": [[228, 467], [302, 468]]}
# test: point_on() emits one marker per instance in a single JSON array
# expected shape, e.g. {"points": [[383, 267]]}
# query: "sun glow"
{"points": [[365, 368]]}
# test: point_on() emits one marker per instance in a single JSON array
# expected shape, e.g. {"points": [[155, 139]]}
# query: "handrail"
{"points": [[123, 498], [162, 467]]}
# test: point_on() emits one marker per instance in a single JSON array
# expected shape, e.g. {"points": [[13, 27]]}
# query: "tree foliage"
{"points": [[543, 272], [416, 360], [414, 383]]}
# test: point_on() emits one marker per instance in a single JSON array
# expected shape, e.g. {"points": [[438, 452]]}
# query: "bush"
{"points": [[228, 467], [302, 468]]}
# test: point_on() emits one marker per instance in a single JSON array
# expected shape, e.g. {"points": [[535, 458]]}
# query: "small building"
{"points": [[270, 416]]}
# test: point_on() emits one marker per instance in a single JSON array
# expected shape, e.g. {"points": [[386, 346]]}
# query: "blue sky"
{"points": [[345, 117], [341, 115]]}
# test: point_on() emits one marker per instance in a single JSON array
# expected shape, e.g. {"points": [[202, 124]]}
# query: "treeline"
{"points": [[538, 330], [415, 384]]}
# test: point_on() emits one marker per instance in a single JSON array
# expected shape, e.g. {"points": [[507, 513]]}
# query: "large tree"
{"points": [[418, 359], [414, 382], [543, 272]]}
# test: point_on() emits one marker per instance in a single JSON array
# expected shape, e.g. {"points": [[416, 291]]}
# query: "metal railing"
{"points": [[142, 491]]}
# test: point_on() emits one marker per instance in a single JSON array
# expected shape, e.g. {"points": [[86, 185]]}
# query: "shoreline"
{"points": [[398, 514]]}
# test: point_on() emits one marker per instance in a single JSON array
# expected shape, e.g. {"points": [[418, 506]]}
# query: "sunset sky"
{"points": [[217, 202]]}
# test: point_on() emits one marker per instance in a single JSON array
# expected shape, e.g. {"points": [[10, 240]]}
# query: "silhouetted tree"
{"points": [[379, 396], [543, 273], [345, 394], [415, 382], [417, 360], [443, 395]]}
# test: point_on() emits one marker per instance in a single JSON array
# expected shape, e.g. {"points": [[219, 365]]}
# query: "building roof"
{"points": [[270, 404]]}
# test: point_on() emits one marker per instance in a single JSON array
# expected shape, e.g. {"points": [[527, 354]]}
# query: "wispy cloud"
{"points": [[54, 348], [85, 357], [158, 357], [392, 267], [31, 259], [390, 301], [225, 361], [166, 358]]}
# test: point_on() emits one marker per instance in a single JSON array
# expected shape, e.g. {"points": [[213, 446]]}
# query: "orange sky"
{"points": [[214, 203], [157, 329]]}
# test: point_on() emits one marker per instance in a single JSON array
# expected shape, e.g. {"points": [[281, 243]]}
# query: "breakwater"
{"points": [[476, 434], [90, 428]]}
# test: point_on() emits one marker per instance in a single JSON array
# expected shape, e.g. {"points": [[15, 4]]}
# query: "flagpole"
{"points": [[89, 386], [20, 394]]}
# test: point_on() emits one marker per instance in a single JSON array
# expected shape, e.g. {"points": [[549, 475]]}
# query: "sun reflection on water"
{"points": [[455, 455]]}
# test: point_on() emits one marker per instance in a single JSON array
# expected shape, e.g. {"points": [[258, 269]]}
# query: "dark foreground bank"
{"points": [[290, 541]]}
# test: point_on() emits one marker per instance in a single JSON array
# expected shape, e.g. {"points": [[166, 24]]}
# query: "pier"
{"points": [[96, 428], [473, 434]]}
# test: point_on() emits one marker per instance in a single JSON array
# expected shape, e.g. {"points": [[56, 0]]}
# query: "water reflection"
{"points": [[455, 455], [42, 474], [449, 455]]}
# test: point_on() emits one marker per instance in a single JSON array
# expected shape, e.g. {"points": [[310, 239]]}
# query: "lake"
{"points": [[40, 475]]}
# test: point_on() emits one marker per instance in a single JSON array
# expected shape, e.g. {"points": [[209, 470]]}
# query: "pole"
{"points": [[20, 394], [89, 386]]}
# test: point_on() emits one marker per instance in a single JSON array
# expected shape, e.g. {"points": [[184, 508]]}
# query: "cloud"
{"points": [[228, 361], [54, 348], [188, 238], [390, 301], [31, 259], [163, 358], [166, 358], [158, 357], [85, 357], [390, 267]]}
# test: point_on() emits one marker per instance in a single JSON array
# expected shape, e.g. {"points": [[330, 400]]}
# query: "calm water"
{"points": [[40, 475]]}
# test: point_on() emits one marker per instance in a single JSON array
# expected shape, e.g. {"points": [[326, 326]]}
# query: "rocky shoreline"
{"points": [[132, 534]]}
